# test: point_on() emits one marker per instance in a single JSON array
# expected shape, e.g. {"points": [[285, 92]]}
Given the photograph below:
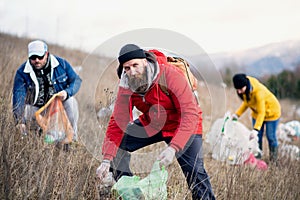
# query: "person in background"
{"points": [[265, 107], [175, 119], [37, 80]]}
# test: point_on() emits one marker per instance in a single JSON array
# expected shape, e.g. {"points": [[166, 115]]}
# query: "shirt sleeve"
{"points": [[260, 109]]}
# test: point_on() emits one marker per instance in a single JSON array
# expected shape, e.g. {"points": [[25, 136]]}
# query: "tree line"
{"points": [[285, 84]]}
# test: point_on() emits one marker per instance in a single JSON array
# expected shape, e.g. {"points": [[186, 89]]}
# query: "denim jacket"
{"points": [[63, 77]]}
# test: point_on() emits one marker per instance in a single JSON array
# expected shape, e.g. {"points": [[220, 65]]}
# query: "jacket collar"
{"points": [[53, 60]]}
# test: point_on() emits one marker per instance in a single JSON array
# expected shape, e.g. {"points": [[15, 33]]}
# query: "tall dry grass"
{"points": [[30, 169]]}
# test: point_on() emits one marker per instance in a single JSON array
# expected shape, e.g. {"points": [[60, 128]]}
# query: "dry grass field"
{"points": [[31, 169]]}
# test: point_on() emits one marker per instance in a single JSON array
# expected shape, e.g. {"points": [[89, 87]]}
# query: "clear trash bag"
{"points": [[53, 120]]}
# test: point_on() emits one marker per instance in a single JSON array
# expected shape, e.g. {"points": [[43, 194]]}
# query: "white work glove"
{"points": [[166, 157], [103, 169], [253, 134], [63, 95], [234, 117]]}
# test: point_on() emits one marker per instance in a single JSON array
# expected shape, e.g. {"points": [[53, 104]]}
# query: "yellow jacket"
{"points": [[264, 104]]}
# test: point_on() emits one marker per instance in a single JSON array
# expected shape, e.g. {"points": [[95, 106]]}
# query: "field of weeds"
{"points": [[31, 169]]}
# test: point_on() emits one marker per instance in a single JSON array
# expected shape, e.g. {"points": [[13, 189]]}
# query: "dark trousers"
{"points": [[190, 159]]}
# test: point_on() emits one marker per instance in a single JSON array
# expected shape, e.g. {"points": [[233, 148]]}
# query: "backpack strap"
{"points": [[163, 83], [181, 64]]}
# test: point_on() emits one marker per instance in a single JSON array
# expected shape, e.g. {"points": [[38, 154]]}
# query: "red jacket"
{"points": [[177, 115]]}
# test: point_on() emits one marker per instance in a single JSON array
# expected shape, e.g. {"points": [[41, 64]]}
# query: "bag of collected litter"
{"points": [[151, 187], [229, 141], [53, 120]]}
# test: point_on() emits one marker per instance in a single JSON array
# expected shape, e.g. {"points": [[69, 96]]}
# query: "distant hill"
{"points": [[266, 65], [268, 59]]}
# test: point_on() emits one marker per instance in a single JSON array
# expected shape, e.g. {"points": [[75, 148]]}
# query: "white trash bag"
{"points": [[229, 141]]}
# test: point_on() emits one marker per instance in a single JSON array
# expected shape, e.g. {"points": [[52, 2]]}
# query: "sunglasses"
{"points": [[34, 57]]}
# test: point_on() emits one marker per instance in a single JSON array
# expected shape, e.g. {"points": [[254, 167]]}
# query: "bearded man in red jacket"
{"points": [[173, 117]]}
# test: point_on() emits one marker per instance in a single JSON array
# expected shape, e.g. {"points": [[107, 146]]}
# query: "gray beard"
{"points": [[139, 84]]}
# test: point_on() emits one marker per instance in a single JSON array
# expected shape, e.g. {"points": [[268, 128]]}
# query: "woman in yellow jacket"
{"points": [[266, 110]]}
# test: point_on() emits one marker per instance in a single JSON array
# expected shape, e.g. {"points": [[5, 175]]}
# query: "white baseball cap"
{"points": [[37, 47]]}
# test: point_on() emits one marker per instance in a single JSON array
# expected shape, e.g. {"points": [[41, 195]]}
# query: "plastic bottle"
{"points": [[49, 139]]}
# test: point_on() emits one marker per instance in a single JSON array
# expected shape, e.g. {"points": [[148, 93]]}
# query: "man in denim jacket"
{"points": [[38, 79]]}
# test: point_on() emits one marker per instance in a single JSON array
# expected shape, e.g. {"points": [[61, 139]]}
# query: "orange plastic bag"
{"points": [[54, 122]]}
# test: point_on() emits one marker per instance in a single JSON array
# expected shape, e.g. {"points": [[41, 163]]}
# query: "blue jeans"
{"points": [[271, 127], [190, 159]]}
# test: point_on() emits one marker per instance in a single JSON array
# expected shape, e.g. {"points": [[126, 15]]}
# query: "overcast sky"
{"points": [[216, 25]]}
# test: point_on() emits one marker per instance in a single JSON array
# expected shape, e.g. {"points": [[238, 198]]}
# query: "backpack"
{"points": [[183, 66]]}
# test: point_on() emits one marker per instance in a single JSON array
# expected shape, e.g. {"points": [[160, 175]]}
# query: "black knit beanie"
{"points": [[239, 81], [128, 52]]}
